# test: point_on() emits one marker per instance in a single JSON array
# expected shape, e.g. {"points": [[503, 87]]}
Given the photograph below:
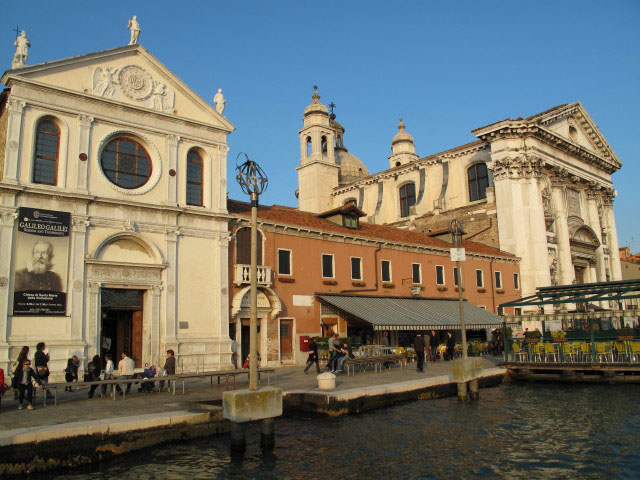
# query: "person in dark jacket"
{"points": [[22, 382], [434, 342], [418, 344], [41, 361], [169, 366], [71, 372], [93, 373], [313, 356], [344, 353], [451, 345]]}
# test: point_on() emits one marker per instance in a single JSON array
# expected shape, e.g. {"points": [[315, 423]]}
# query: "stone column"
{"points": [[156, 295], [593, 195], [171, 304], [93, 319], [614, 254], [84, 152], [566, 274], [14, 130], [75, 294], [7, 222], [172, 181]]}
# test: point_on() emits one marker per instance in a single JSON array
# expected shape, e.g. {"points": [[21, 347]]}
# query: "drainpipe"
{"points": [[375, 289]]}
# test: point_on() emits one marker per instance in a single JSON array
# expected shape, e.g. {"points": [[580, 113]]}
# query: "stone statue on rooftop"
{"points": [[22, 51], [220, 101], [134, 26]]}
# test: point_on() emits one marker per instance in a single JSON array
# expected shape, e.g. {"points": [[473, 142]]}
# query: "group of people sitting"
{"points": [[339, 352]]}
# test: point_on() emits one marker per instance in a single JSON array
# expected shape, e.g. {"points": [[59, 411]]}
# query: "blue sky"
{"points": [[446, 67]]}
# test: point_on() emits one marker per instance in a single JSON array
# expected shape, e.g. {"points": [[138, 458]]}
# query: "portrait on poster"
{"points": [[40, 262]]}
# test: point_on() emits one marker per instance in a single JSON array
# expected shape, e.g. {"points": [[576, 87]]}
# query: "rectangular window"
{"points": [[386, 270], [327, 265], [356, 268], [516, 281], [416, 273], [517, 311], [439, 275], [284, 262], [350, 222], [498, 279], [479, 279], [455, 276]]}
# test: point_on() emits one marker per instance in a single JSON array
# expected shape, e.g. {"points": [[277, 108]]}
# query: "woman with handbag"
{"points": [[41, 360]]}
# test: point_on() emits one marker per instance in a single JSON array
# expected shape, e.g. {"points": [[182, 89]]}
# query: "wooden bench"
{"points": [[377, 362]]}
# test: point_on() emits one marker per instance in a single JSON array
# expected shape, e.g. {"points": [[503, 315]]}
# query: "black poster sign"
{"points": [[41, 257]]}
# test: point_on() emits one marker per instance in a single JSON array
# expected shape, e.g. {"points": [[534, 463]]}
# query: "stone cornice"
{"points": [[519, 129]]}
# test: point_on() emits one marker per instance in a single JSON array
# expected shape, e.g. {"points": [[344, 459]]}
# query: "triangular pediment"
{"points": [[127, 75], [573, 123]]}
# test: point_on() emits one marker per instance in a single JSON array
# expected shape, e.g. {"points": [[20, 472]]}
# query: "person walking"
{"points": [[41, 360], [313, 356], [23, 383], [71, 372], [125, 371], [169, 366], [93, 373], [433, 343], [108, 372], [451, 345], [418, 344]]}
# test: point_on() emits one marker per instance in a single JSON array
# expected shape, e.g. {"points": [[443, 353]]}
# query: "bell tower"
{"points": [[318, 171], [403, 150]]}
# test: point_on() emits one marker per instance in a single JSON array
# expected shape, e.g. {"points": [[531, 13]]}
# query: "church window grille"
{"points": [[45, 165], [126, 163], [195, 169], [478, 181], [407, 198]]}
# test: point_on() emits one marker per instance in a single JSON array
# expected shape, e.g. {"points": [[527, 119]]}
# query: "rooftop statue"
{"points": [[220, 101], [134, 26], [22, 51]]}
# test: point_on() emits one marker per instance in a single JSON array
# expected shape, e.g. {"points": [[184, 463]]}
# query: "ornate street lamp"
{"points": [[457, 232], [253, 182]]}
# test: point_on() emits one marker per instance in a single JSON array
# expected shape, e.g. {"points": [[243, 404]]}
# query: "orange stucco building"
{"points": [[305, 259]]}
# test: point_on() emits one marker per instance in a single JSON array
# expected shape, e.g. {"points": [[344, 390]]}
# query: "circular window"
{"points": [[126, 163]]}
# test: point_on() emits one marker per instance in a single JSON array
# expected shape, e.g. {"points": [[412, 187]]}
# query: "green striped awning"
{"points": [[389, 313]]}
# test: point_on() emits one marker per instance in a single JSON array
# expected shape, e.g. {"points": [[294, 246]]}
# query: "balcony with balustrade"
{"points": [[243, 275]]}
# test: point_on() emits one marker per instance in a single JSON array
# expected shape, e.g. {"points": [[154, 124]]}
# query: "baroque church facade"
{"points": [[537, 187], [112, 172]]}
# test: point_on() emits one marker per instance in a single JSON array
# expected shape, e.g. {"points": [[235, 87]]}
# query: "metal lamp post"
{"points": [[457, 232], [253, 182]]}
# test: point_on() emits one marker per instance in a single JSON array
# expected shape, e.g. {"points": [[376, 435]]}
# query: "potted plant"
{"points": [[532, 337], [329, 282], [388, 285], [442, 288], [559, 336]]}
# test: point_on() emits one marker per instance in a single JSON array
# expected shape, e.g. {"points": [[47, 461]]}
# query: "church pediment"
{"points": [[128, 75], [584, 235]]}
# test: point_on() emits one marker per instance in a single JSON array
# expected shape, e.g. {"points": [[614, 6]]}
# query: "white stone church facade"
{"points": [[539, 188], [138, 161]]}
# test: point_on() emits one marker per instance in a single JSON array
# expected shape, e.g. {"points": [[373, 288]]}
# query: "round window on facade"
{"points": [[126, 163]]}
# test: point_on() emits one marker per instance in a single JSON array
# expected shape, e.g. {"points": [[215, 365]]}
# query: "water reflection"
{"points": [[515, 431]]}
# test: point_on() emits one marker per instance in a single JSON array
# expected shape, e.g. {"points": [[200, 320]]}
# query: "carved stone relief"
{"points": [[547, 207], [553, 267], [573, 203]]}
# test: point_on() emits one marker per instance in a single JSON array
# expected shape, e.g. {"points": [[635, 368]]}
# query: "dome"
{"points": [[402, 135], [316, 106], [351, 167]]}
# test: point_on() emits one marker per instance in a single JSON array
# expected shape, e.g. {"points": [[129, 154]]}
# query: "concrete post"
{"points": [[462, 391], [267, 433], [238, 437], [473, 389], [253, 310]]}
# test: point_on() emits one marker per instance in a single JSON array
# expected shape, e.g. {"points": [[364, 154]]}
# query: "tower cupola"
{"points": [[403, 150]]}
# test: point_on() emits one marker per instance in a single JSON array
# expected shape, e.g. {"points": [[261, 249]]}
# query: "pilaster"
{"points": [[7, 225], [172, 180], [80, 223], [593, 195], [14, 144], [84, 149], [156, 297], [171, 304]]}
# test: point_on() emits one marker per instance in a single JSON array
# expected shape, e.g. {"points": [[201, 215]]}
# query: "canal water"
{"points": [[527, 431]]}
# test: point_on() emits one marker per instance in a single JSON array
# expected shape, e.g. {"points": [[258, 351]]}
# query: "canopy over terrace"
{"points": [[580, 294], [392, 313]]}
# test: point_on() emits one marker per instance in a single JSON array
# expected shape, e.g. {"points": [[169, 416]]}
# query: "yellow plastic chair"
{"points": [[585, 348], [621, 350], [603, 351], [635, 350], [568, 351], [519, 353], [550, 351]]}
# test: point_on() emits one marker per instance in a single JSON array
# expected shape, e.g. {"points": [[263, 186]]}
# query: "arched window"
{"points": [[126, 163], [45, 163], [407, 198], [195, 169], [309, 146], [323, 143], [478, 181]]}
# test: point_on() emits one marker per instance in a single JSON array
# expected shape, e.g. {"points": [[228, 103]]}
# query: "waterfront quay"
{"points": [[80, 430]]}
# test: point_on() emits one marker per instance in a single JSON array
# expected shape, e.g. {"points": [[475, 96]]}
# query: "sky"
{"points": [[446, 67]]}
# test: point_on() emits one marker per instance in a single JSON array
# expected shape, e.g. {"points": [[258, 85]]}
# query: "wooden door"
{"points": [[136, 338], [243, 247], [286, 339], [123, 334]]}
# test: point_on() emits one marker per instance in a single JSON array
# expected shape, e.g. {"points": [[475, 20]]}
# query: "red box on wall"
{"points": [[304, 343]]}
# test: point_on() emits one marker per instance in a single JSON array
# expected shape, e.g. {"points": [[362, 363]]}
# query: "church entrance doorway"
{"points": [[122, 324]]}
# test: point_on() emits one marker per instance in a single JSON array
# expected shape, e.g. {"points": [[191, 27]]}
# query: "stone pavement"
{"points": [[76, 407]]}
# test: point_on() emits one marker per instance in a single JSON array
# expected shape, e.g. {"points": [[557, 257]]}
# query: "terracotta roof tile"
{"points": [[292, 216]]}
